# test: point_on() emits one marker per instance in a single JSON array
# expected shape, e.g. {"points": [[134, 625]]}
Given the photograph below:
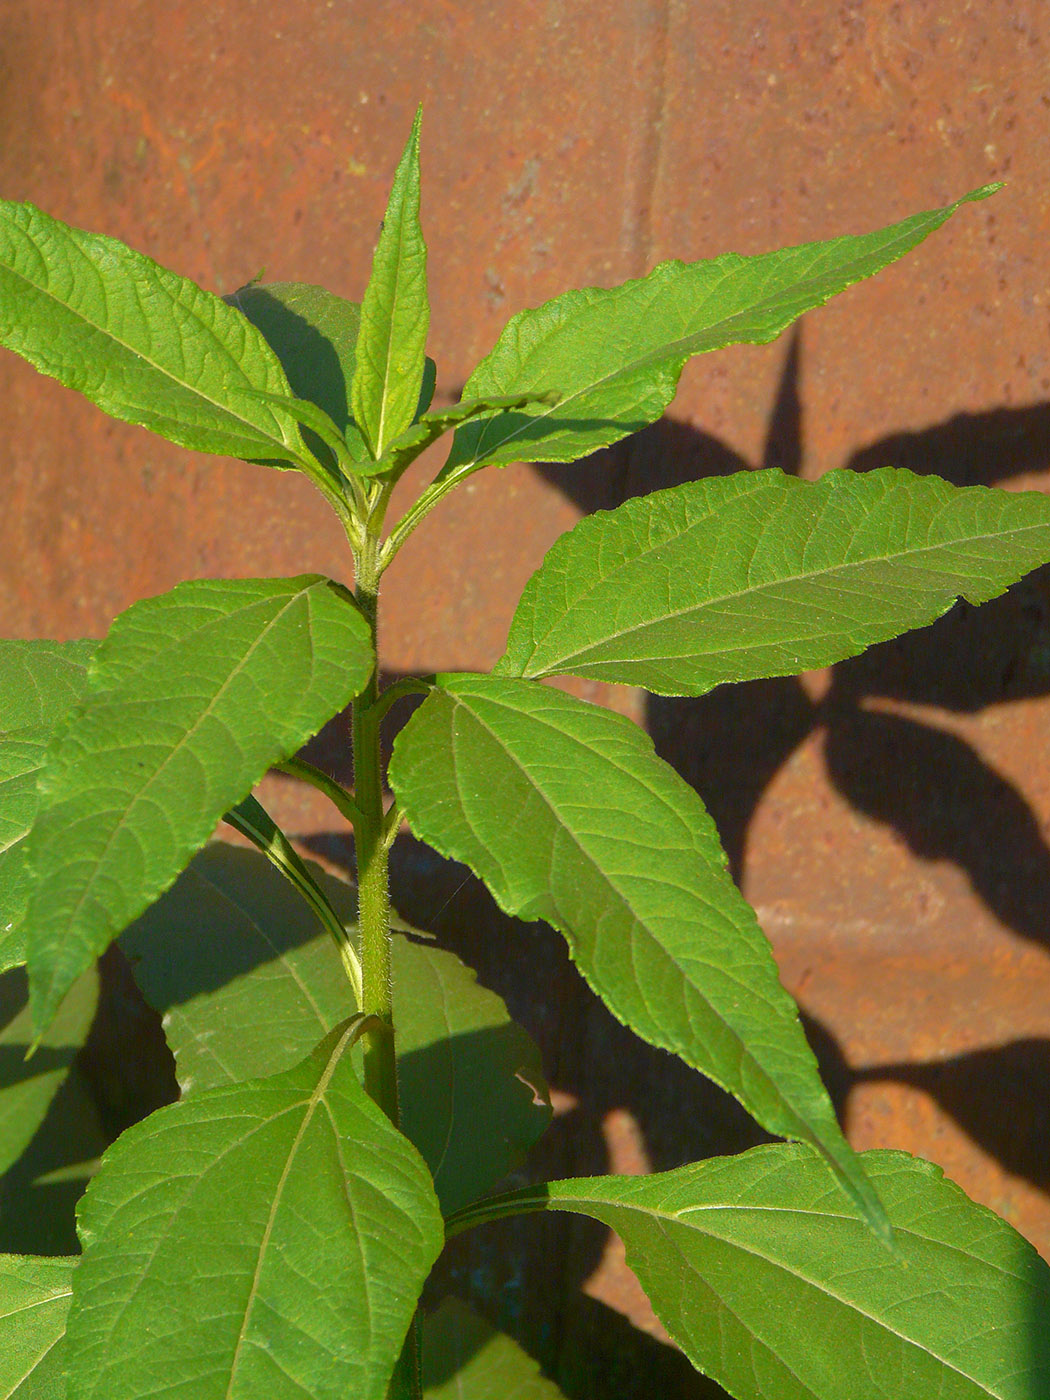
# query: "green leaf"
{"points": [[34, 1301], [40, 682], [566, 813], [314, 334], [615, 355], [193, 696], [144, 344], [762, 574], [230, 948], [395, 314], [772, 1287], [28, 1086], [432, 426], [466, 1359], [263, 1239], [473, 1096]]}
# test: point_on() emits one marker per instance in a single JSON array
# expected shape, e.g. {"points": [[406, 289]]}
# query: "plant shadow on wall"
{"points": [[617, 1097]]}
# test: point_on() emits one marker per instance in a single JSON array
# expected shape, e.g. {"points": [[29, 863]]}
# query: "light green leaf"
{"points": [[230, 947], [566, 813], [28, 1086], [314, 334], [193, 696], [762, 574], [615, 355], [40, 682], [431, 426], [466, 1359], [144, 344], [266, 1239], [395, 314], [34, 1301], [771, 1286]]}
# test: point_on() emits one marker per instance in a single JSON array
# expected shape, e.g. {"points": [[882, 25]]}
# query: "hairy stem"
{"points": [[373, 890]]}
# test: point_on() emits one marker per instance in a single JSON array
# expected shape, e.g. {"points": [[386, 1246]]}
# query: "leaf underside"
{"points": [[34, 1301]]}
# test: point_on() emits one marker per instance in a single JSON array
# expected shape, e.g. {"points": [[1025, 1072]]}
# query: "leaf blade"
{"points": [[733, 1251], [40, 683], [614, 355], [144, 344], [194, 695], [395, 314], [34, 1301], [228, 948], [557, 806], [309, 1290], [464, 1358], [762, 574]]}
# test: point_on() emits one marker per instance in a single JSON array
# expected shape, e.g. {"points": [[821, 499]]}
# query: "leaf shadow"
{"points": [[996, 1095]]}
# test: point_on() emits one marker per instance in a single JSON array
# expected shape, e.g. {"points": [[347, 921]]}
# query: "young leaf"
{"points": [[34, 1301], [28, 1086], [193, 696], [230, 948], [144, 344], [431, 426], [762, 574], [565, 812], [314, 334], [614, 356], [266, 1239], [466, 1359], [40, 682], [395, 314], [772, 1287]]}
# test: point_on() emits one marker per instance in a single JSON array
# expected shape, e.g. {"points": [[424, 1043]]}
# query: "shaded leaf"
{"points": [[265, 1238], [34, 1301], [40, 682], [566, 813], [313, 333], [760, 1272], [193, 696], [762, 574], [395, 314], [614, 355], [464, 1358], [28, 1086], [144, 344], [230, 947]]}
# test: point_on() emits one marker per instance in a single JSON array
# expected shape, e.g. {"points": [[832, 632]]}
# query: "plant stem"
{"points": [[373, 891]]}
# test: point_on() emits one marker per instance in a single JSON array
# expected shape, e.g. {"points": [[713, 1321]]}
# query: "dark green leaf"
{"points": [[193, 696], [762, 574], [40, 682], [614, 356], [466, 1359], [395, 315], [34, 1301], [566, 813], [28, 1086], [770, 1285], [313, 333], [144, 344], [266, 1239], [231, 948]]}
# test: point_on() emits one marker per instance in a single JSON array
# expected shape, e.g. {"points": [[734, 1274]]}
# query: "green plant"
{"points": [[351, 1096]]}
